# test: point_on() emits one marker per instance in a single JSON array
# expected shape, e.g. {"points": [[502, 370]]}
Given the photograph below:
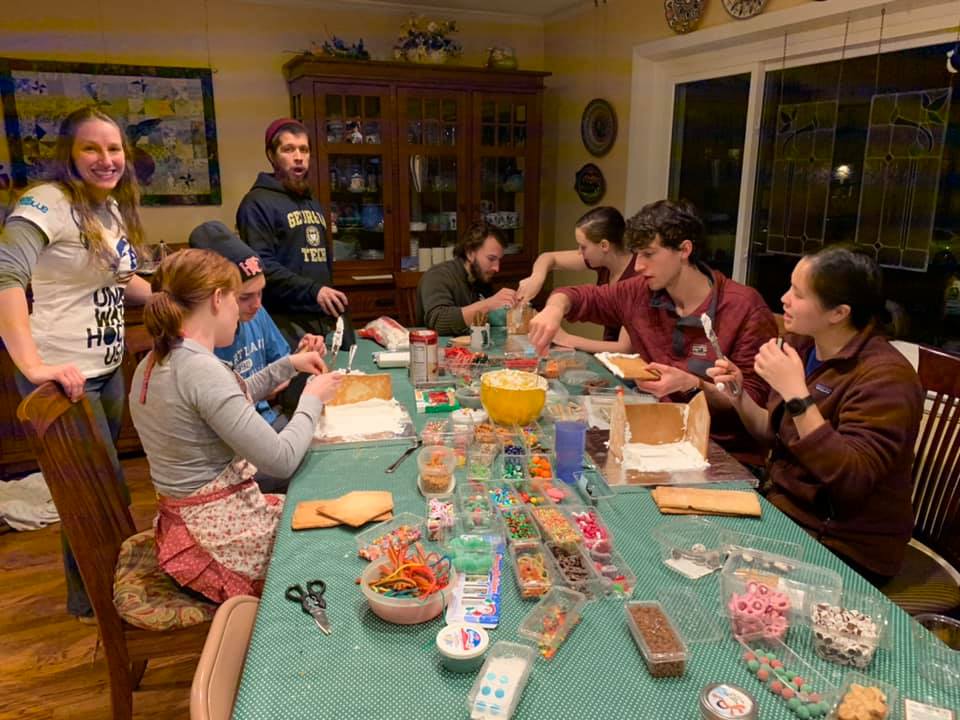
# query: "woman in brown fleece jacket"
{"points": [[842, 417]]}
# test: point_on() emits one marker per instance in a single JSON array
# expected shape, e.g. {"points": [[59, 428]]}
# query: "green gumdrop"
{"points": [[803, 712], [793, 703], [753, 666]]}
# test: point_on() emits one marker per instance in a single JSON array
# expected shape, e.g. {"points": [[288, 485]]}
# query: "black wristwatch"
{"points": [[798, 406]]}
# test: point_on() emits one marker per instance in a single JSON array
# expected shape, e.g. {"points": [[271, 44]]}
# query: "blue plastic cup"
{"points": [[570, 443], [497, 317]]}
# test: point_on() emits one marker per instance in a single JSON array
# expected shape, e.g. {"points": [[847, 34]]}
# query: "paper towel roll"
{"points": [[436, 255], [424, 256]]}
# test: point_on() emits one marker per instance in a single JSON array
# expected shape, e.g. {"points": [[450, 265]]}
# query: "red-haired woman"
{"points": [[203, 436], [74, 240]]}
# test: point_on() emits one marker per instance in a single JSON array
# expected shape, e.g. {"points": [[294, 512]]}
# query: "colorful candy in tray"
{"points": [[412, 574], [759, 610], [503, 496], [441, 518], [518, 525], [514, 458], [805, 693], [532, 569], [550, 622], [540, 467], [394, 534], [556, 526]]}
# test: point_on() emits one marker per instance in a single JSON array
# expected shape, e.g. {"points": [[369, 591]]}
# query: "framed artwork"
{"points": [[166, 113], [598, 127], [590, 184]]}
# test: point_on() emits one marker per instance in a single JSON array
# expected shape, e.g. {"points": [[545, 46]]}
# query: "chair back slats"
{"points": [[72, 455], [936, 468]]}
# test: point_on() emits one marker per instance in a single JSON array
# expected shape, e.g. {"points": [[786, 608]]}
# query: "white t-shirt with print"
{"points": [[77, 300]]}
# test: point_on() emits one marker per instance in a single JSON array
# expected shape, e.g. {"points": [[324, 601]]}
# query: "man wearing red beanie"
{"points": [[283, 223]]}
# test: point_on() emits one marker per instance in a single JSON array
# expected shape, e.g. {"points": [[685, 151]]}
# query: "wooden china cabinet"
{"points": [[406, 155]]}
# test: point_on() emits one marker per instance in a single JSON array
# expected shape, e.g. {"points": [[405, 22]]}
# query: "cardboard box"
{"points": [[655, 424]]}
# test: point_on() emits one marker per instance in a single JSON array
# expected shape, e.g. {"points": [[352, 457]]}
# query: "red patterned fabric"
{"points": [[218, 540]]}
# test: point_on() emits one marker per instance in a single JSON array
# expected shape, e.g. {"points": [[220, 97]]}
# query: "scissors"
{"points": [[312, 602], [337, 342]]}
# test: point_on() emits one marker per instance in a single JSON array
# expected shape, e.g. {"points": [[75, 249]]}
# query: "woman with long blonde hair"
{"points": [[203, 436], [74, 239]]}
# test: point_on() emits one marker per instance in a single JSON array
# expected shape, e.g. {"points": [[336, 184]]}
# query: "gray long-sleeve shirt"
{"points": [[443, 291], [196, 419]]}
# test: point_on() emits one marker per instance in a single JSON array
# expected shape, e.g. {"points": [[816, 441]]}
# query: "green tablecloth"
{"points": [[369, 669]]}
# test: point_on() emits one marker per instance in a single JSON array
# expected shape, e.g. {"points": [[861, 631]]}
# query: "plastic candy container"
{"points": [[476, 514], [481, 457], [552, 619], [533, 570], [462, 647], [806, 693], [848, 633], [404, 529], [864, 697], [518, 525], [615, 575], [530, 494], [556, 526], [514, 462], [503, 496], [441, 518], [436, 464], [540, 467], [574, 569], [662, 648], [500, 682], [759, 609]]}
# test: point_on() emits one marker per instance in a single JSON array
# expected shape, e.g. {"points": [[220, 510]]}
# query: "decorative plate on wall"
{"points": [[683, 15], [743, 9], [590, 185], [598, 127]]}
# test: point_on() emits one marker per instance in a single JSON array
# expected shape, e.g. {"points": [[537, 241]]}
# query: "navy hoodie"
{"points": [[289, 233]]}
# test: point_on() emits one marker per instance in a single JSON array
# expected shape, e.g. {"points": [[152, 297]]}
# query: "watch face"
{"points": [[743, 8]]}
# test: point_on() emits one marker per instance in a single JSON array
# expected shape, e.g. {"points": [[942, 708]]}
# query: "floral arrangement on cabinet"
{"points": [[425, 41]]}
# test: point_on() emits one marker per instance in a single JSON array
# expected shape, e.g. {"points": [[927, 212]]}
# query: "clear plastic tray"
{"points": [[736, 540], [848, 631], [482, 460], [688, 542], [553, 618], [540, 467], [592, 487], [696, 625], [491, 432], [502, 494], [937, 661], [500, 682], [615, 576], [372, 542], [536, 439], [565, 408], [889, 693], [529, 494], [815, 688], [556, 525], [575, 570], [518, 525], [436, 431], [440, 528], [657, 638], [745, 573], [475, 513], [597, 538], [513, 462], [535, 581]]}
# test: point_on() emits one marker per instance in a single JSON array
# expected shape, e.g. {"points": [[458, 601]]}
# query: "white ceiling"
{"points": [[530, 8]]}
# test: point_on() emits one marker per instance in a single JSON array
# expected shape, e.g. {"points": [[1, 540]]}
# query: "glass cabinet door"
{"points": [[353, 163], [433, 178], [506, 149]]}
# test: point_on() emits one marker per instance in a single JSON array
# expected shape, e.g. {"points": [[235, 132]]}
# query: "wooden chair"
{"points": [[930, 580], [140, 612], [407, 294], [217, 678]]}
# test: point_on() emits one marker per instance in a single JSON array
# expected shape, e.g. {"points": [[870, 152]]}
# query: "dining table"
{"points": [[368, 669]]}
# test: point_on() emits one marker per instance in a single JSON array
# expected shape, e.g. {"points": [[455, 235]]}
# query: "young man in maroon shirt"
{"points": [[661, 308]]}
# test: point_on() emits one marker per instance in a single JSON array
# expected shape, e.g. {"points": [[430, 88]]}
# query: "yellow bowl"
{"points": [[512, 397]]}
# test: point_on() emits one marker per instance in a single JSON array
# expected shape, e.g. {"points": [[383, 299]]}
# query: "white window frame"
{"points": [[814, 33]]}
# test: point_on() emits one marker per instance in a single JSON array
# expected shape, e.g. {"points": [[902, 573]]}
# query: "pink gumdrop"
{"points": [[776, 686], [763, 674], [555, 494], [787, 693], [799, 681], [814, 697], [748, 656], [776, 664]]}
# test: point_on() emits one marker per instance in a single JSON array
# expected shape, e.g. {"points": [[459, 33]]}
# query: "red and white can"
{"points": [[424, 356]]}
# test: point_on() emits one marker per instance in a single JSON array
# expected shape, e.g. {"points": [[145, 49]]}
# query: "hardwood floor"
{"points": [[47, 668]]}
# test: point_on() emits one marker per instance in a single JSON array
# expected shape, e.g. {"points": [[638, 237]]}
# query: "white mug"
{"points": [[479, 337]]}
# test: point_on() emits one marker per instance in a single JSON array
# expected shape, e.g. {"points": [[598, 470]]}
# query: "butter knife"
{"points": [[337, 342], [715, 342], [353, 353]]}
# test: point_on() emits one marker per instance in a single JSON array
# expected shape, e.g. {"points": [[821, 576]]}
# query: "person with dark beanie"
{"points": [[285, 226]]}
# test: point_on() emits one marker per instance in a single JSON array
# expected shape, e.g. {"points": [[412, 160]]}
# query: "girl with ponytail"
{"points": [[842, 417], [74, 241], [203, 436]]}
